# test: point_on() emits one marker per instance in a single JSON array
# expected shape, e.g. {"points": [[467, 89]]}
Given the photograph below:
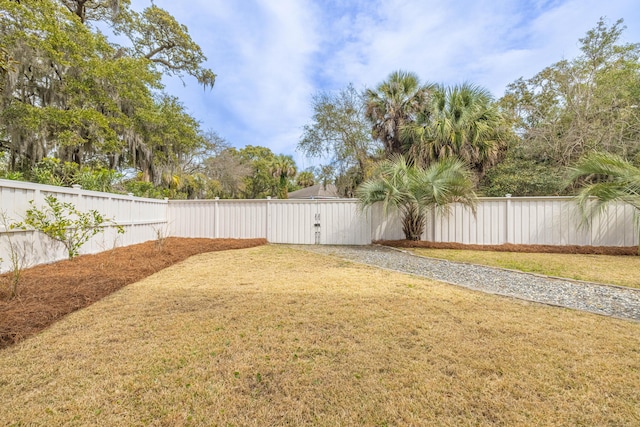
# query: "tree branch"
{"points": [[158, 50]]}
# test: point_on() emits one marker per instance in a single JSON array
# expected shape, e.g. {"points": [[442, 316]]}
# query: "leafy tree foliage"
{"points": [[341, 133], [573, 107], [260, 183], [69, 94], [158, 37], [581, 105], [222, 165], [283, 168], [520, 176], [425, 123], [305, 179], [95, 10]]}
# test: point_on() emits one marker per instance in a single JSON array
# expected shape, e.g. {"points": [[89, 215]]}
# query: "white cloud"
{"points": [[272, 56]]}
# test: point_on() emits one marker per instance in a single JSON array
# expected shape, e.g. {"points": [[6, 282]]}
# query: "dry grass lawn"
{"points": [[274, 336], [616, 270]]}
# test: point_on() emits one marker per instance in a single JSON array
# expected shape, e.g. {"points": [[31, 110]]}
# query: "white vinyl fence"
{"points": [[324, 222], [535, 221], [140, 218], [519, 220], [497, 220]]}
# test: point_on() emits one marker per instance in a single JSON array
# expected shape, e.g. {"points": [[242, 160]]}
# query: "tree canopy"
{"points": [[460, 121], [521, 144], [77, 108], [571, 108], [394, 104]]}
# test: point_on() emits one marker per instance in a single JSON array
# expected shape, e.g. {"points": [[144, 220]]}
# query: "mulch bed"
{"points": [[48, 292], [509, 247]]}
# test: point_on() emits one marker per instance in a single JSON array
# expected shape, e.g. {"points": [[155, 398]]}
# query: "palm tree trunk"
{"points": [[413, 222]]}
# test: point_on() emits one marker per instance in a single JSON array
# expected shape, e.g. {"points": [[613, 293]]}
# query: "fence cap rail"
{"points": [[353, 200], [24, 185], [196, 201]]}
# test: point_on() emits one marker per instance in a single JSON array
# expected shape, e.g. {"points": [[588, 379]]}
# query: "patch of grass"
{"points": [[616, 270], [276, 336]]}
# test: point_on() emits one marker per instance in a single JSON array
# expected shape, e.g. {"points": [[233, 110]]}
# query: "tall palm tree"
{"points": [[393, 104], [607, 178], [461, 121], [283, 168], [412, 190]]}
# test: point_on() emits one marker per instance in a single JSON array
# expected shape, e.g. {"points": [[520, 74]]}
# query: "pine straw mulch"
{"points": [[509, 247], [48, 292]]}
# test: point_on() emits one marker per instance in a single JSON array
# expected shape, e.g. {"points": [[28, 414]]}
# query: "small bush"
{"points": [[63, 223]]}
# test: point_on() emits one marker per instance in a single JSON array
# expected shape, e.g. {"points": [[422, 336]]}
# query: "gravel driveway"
{"points": [[608, 300]]}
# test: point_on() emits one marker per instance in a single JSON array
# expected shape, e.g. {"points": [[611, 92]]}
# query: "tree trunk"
{"points": [[413, 222]]}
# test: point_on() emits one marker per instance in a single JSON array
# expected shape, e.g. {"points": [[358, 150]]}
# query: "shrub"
{"points": [[17, 257], [63, 223]]}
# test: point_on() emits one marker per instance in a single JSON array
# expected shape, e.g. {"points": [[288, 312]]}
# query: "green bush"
{"points": [[63, 223]]}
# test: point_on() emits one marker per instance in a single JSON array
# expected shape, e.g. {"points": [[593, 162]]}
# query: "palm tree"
{"points": [[607, 178], [392, 105], [283, 168], [305, 179], [412, 190], [461, 121]]}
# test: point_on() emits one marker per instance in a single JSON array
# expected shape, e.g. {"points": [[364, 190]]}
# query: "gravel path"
{"points": [[601, 299]]}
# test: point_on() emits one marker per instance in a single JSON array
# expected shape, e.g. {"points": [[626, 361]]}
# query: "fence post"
{"points": [[80, 203], [167, 220], [37, 198], [267, 231], [216, 218], [132, 226], [434, 212], [507, 223]]}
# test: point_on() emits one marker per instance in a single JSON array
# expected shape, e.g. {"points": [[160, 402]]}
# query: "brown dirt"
{"points": [[509, 247], [48, 292]]}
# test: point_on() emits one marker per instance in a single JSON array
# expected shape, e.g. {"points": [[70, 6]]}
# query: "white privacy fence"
{"points": [[519, 220], [534, 221], [325, 222], [140, 219]]}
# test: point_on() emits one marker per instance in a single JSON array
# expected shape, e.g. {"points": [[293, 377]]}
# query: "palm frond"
{"points": [[606, 178]]}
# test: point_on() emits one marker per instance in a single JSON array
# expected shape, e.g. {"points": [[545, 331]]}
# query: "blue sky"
{"points": [[271, 56]]}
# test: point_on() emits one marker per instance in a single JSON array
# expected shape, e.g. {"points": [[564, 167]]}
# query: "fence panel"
{"points": [[292, 221], [614, 227], [518, 220], [239, 219], [196, 218], [385, 225], [242, 219], [139, 217], [343, 223]]}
